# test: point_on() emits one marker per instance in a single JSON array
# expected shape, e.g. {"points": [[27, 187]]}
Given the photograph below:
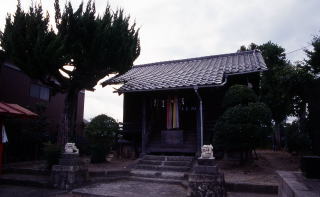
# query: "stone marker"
{"points": [[71, 171]]}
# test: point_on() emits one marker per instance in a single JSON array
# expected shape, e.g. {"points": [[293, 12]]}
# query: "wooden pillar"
{"points": [[144, 126], [199, 122], [198, 131]]}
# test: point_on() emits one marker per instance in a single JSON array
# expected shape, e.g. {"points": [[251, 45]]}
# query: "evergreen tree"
{"points": [[93, 46]]}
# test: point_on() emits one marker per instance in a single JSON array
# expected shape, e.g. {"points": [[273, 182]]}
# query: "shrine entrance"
{"points": [[172, 123]]}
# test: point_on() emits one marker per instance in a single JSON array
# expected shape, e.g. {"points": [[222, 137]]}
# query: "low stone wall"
{"points": [[294, 184]]}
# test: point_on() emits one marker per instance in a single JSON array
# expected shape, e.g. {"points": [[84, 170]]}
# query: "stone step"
{"points": [[25, 180], [163, 168], [167, 158], [180, 158], [166, 163], [109, 173], [171, 149], [160, 180], [157, 174], [151, 162], [177, 163], [154, 157]]}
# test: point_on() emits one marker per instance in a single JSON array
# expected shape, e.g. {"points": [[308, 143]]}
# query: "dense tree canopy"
{"points": [[84, 47]]}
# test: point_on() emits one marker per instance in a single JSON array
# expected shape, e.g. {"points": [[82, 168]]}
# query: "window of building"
{"points": [[41, 92]]}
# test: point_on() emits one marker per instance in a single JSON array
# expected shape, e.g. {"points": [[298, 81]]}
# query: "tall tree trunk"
{"points": [[277, 136], [68, 131]]}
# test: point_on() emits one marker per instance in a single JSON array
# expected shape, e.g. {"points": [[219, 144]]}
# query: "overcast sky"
{"points": [[174, 29]]}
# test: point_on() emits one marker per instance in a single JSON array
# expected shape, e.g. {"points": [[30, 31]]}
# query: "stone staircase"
{"points": [[151, 168], [165, 163]]}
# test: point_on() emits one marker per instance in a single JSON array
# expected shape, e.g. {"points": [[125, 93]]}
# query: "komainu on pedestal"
{"points": [[205, 179], [71, 171]]}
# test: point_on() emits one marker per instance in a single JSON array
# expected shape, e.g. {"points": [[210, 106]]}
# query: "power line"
{"points": [[298, 49]]}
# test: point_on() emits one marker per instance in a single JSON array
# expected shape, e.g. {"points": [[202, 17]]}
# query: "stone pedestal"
{"points": [[70, 172], [206, 180], [206, 162]]}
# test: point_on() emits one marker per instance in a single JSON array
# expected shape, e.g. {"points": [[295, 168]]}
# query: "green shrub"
{"points": [[52, 154], [244, 125], [242, 128], [101, 132]]}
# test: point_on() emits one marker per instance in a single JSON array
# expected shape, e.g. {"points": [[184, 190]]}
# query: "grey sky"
{"points": [[174, 29]]}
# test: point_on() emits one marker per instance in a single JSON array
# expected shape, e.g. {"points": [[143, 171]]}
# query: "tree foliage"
{"points": [[102, 127], [313, 61], [296, 139], [92, 45], [244, 125], [239, 94], [312, 64], [283, 86]]}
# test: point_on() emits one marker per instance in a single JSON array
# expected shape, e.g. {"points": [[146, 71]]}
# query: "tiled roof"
{"points": [[187, 73]]}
